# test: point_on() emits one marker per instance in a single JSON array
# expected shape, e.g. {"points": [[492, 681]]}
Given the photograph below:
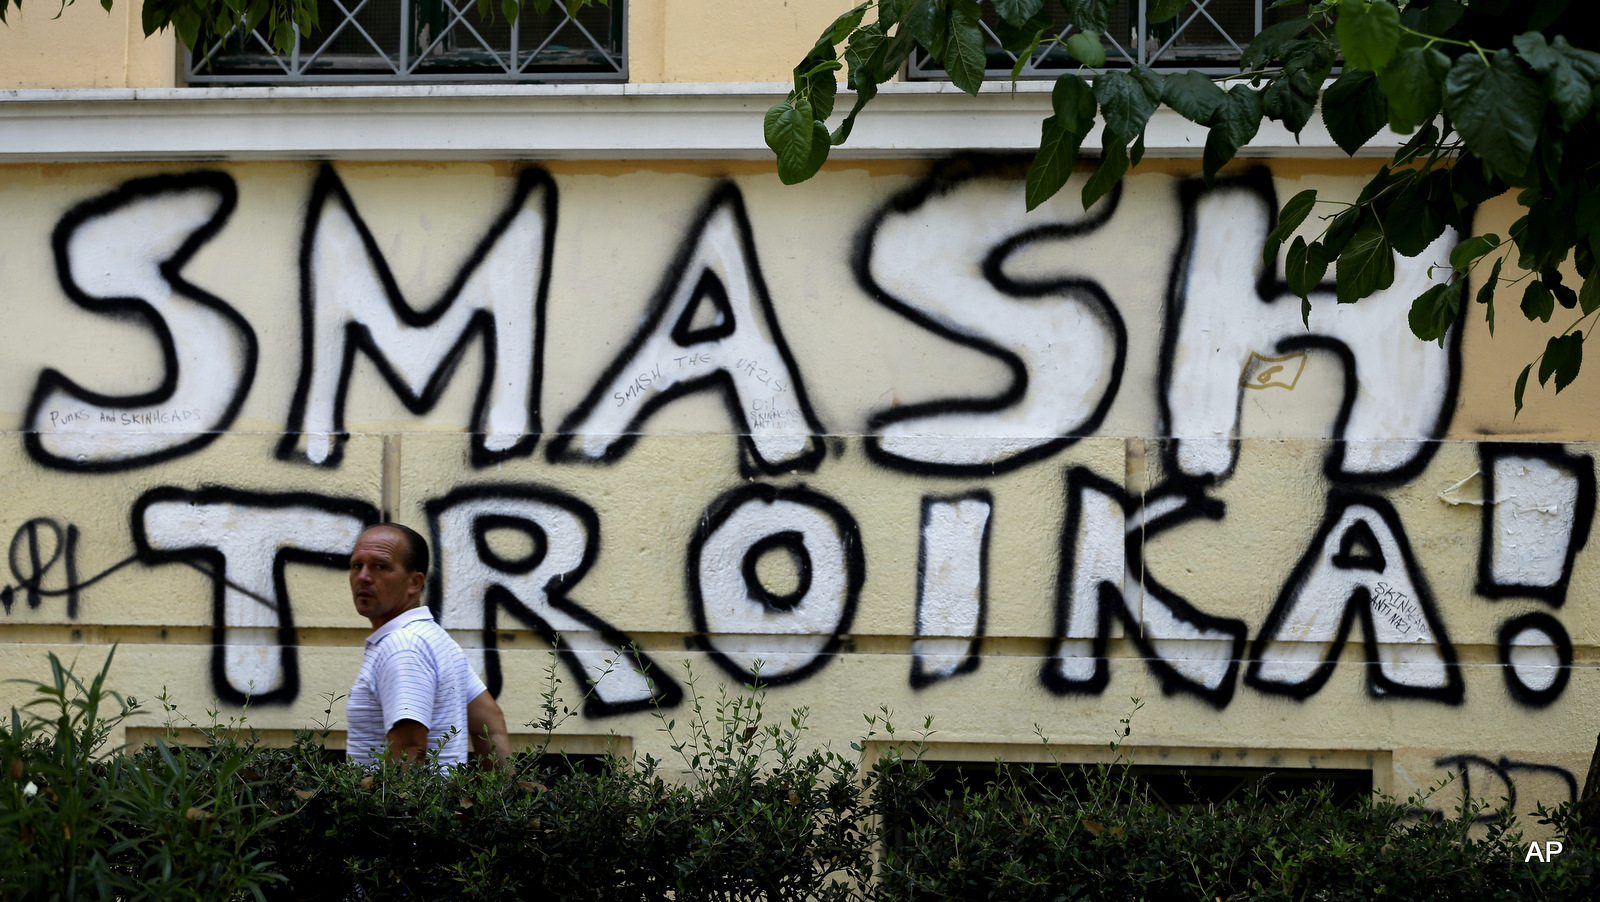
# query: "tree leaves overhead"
{"points": [[1354, 109], [1369, 33], [1497, 107], [1493, 98]]}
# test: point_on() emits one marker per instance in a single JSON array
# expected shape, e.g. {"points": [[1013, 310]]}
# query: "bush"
{"points": [[752, 814]]}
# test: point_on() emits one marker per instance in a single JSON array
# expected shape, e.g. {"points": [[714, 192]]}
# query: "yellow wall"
{"points": [[87, 47], [915, 442], [701, 41]]}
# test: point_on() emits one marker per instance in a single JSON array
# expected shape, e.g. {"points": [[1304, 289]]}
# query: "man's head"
{"points": [[387, 571]]}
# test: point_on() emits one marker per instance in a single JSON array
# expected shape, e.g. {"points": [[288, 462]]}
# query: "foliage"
{"points": [[1028, 835], [1497, 95], [752, 814], [77, 822]]}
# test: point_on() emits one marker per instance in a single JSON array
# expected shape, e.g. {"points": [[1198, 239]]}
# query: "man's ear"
{"points": [[415, 583]]}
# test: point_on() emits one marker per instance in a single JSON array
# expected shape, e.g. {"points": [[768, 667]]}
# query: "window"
{"points": [[427, 41], [1207, 35]]}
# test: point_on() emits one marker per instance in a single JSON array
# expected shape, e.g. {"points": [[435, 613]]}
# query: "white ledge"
{"points": [[549, 122]]}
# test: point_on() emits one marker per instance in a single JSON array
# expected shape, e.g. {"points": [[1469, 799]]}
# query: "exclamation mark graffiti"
{"points": [[1538, 504]]}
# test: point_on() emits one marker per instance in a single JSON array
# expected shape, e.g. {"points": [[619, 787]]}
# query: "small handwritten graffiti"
{"points": [[1261, 371], [37, 548]]}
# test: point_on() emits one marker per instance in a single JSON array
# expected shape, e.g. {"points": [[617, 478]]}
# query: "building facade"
{"points": [[880, 440]]}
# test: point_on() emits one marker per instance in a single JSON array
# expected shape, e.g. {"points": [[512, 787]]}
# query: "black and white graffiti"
{"points": [[122, 255], [937, 255], [756, 633], [1103, 584], [1224, 306], [350, 302], [557, 539], [711, 326], [245, 540], [952, 586]]}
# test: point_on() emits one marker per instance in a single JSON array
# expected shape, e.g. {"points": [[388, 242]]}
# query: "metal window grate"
{"points": [[427, 41], [1208, 36]]}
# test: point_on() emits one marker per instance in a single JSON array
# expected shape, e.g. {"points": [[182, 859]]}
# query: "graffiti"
{"points": [[1535, 657], [1538, 506], [245, 540], [755, 633], [1359, 568], [1496, 781], [711, 326], [937, 255], [350, 302], [475, 581], [952, 587], [1189, 650], [1223, 305], [122, 255], [1028, 539]]}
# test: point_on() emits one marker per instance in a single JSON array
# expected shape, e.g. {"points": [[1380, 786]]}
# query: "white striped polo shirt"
{"points": [[411, 670]]}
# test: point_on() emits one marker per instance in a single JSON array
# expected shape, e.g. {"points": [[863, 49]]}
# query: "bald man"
{"points": [[415, 692]]}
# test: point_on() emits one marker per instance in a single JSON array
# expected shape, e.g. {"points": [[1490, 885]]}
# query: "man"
{"points": [[415, 689]]}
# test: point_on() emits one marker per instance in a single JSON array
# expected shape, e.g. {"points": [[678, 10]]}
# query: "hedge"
{"points": [[748, 812]]}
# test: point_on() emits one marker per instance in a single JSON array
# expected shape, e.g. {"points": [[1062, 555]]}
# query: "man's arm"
{"points": [[486, 724], [408, 740]]}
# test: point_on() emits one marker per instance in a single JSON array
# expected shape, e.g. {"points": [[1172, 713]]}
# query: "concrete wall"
{"points": [[879, 439]]}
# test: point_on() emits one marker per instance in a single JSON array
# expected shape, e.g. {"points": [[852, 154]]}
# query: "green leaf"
{"points": [[1052, 164], [1522, 383], [1305, 266], [1365, 266], [1434, 311], [1124, 103], [965, 57], [1159, 11], [1193, 96], [1437, 19], [1073, 102], [1136, 151], [1589, 295], [1235, 122], [1566, 88], [1412, 86], [1586, 62], [1418, 214], [1287, 104], [1294, 213], [1086, 48], [1538, 304], [1023, 39], [1420, 143], [1269, 43], [1486, 293], [926, 21], [1497, 109], [789, 131], [1339, 231], [845, 24], [1354, 109], [1113, 163], [1563, 357], [1463, 254], [1369, 33], [1090, 15], [1018, 12], [1150, 80]]}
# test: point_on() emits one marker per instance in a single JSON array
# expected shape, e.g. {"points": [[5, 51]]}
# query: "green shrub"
{"points": [[750, 814]]}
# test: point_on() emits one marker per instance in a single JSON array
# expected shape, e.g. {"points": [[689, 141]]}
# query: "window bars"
{"points": [[427, 41], [1207, 35]]}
